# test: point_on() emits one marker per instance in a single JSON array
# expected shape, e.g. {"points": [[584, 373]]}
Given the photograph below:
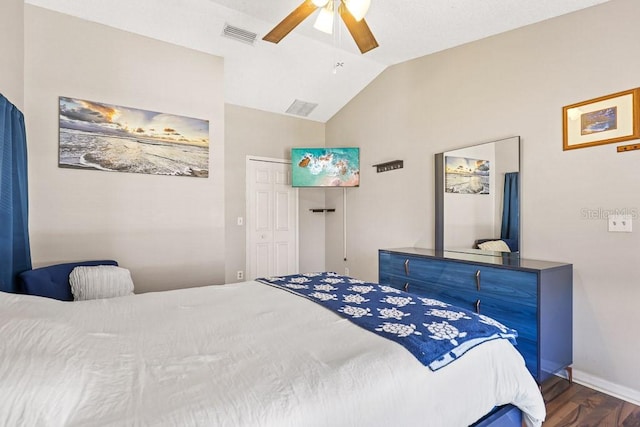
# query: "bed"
{"points": [[243, 354]]}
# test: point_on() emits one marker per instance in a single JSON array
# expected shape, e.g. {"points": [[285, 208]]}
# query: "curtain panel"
{"points": [[15, 253], [510, 208]]}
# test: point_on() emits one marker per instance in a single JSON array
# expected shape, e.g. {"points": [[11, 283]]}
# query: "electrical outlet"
{"points": [[620, 223], [240, 275], [346, 271], [240, 220]]}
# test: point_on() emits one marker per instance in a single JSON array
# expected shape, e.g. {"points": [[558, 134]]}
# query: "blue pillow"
{"points": [[53, 281]]}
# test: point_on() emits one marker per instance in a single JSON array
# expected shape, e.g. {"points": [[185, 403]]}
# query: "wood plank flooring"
{"points": [[571, 404]]}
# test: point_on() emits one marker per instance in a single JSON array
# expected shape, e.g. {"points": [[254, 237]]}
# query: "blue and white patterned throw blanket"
{"points": [[436, 333]]}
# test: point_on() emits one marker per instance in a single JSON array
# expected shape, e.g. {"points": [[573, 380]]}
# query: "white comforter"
{"points": [[244, 354]]}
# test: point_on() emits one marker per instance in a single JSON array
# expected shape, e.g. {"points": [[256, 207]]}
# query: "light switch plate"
{"points": [[620, 223]]}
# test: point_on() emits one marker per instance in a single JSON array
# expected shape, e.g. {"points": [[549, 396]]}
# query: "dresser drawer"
{"points": [[510, 285], [516, 287], [430, 290], [513, 314]]}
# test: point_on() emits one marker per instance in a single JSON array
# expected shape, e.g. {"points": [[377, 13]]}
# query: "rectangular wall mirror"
{"points": [[478, 198]]}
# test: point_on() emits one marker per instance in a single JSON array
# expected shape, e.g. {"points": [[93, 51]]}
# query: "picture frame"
{"points": [[114, 138], [466, 176], [603, 120]]}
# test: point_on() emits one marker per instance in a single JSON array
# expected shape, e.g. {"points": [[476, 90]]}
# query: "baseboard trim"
{"points": [[604, 386]]}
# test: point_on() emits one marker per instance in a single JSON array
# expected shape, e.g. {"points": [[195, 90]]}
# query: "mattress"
{"points": [[243, 354]]}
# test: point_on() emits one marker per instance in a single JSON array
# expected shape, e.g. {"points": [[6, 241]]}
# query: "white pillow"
{"points": [[494, 245], [100, 281]]}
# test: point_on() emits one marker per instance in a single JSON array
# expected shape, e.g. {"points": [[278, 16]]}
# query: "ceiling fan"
{"points": [[351, 11]]}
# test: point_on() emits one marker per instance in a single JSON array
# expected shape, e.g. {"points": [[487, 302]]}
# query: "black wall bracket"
{"points": [[389, 166], [322, 210]]}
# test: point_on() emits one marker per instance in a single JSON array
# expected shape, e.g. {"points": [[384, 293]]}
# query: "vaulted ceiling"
{"points": [[308, 65]]}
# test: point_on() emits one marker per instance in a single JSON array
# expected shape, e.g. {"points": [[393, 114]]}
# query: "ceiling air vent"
{"points": [[301, 108], [239, 34]]}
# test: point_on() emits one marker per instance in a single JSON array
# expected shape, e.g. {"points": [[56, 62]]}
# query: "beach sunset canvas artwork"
{"points": [[466, 176], [106, 137]]}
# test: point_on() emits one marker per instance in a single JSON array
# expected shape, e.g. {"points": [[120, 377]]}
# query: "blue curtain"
{"points": [[510, 210], [15, 254]]}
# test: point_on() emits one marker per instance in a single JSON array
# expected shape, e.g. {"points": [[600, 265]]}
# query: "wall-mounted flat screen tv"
{"points": [[325, 167]]}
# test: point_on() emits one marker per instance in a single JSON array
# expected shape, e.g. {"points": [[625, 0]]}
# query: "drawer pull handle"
{"points": [[478, 306], [406, 267], [406, 287], [478, 279]]}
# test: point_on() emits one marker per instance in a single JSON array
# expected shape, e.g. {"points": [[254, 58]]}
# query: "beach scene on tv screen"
{"points": [[325, 167]]}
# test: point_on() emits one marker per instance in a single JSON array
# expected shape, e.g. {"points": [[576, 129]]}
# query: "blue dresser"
{"points": [[533, 297]]}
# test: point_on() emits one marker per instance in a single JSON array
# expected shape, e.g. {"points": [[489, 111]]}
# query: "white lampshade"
{"points": [[320, 3], [358, 8], [324, 22]]}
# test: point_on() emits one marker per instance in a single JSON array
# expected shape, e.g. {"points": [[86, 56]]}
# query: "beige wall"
{"points": [[169, 231], [12, 51], [258, 133], [513, 84]]}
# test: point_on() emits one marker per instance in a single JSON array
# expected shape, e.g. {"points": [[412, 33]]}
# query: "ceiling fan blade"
{"points": [[290, 22], [359, 30]]}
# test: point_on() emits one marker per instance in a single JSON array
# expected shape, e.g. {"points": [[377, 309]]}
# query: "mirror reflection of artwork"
{"points": [[599, 121], [98, 136], [466, 176]]}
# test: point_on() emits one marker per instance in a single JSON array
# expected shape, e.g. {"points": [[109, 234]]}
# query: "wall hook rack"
{"points": [[322, 210], [389, 166], [630, 147]]}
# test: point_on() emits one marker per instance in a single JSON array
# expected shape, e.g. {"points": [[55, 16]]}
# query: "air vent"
{"points": [[301, 108], [239, 34]]}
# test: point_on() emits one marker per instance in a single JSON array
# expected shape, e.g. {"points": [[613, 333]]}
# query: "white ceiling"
{"points": [[270, 77]]}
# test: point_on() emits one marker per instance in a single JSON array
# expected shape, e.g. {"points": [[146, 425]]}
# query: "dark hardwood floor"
{"points": [[571, 404]]}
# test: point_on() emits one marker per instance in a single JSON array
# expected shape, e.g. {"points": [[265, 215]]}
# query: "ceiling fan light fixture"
{"points": [[347, 9], [357, 8], [324, 22], [320, 3]]}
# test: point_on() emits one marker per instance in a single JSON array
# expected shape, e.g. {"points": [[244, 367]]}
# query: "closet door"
{"points": [[272, 219]]}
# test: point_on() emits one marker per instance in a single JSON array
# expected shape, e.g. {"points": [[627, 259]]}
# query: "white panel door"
{"points": [[272, 219]]}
